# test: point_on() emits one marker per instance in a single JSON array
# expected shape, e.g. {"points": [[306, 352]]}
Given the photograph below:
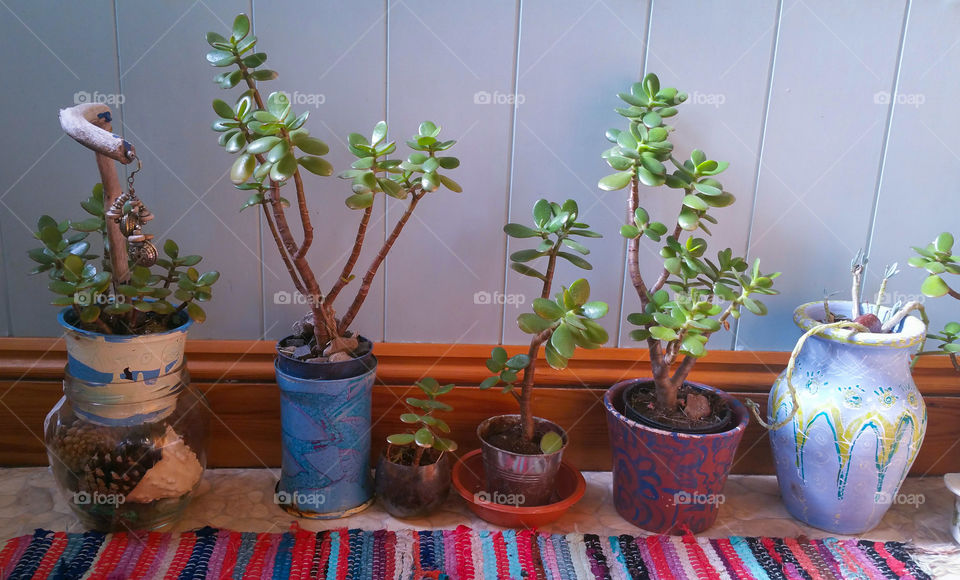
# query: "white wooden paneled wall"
{"points": [[838, 118]]}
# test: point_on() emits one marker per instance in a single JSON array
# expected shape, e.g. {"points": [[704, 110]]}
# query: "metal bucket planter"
{"points": [[665, 481], [859, 423], [326, 438], [516, 478]]}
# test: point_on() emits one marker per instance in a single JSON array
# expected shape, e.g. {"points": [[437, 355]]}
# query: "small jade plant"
{"points": [[937, 259], [149, 301], [677, 326], [272, 146], [560, 324], [427, 430]]}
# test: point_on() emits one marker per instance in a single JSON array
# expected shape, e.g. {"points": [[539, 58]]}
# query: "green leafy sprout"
{"points": [[427, 429], [938, 260], [272, 145], [150, 301], [560, 324], [677, 327]]}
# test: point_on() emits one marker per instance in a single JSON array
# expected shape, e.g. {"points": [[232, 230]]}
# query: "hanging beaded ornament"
{"points": [[130, 214]]}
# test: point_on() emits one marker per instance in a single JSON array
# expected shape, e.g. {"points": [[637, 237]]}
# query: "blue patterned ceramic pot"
{"points": [[326, 444], [859, 423]]}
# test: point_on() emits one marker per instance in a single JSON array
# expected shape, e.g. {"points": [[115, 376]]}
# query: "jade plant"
{"points": [[560, 324], [937, 259], [427, 430], [677, 326], [273, 146], [149, 301]]}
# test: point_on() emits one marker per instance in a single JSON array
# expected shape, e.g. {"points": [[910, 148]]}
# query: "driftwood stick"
{"points": [[90, 125]]}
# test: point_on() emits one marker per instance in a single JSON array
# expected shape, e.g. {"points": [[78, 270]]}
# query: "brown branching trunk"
{"points": [[377, 261], [344, 278]]}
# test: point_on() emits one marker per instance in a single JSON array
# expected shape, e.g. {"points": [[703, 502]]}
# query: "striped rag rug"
{"points": [[462, 553]]}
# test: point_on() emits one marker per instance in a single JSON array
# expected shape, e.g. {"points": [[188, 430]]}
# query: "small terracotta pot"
{"points": [[469, 480], [664, 481], [529, 479], [408, 491]]}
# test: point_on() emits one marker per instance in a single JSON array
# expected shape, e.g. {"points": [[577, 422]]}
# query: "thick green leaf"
{"points": [[554, 359], [579, 292], [241, 27], [360, 200], [242, 169], [423, 437], [934, 286], [526, 255], [518, 361], [663, 333], [694, 202], [489, 382], [196, 312], [547, 309], [615, 181], [450, 184], [520, 231], [263, 144], [532, 324], [312, 146], [316, 165], [575, 260], [595, 309], [562, 340], [526, 270], [551, 442], [400, 439]]}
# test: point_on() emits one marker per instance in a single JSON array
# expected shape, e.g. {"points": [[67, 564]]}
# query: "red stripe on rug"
{"points": [[254, 566], [698, 558], [500, 551], [57, 545], [729, 553], [658, 557], [464, 553], [895, 565], [801, 555], [181, 556], [109, 557]]}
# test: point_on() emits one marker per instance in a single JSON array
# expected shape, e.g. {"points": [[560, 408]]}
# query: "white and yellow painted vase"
{"points": [[859, 423]]}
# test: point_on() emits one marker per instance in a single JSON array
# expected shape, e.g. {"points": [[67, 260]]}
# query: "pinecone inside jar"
{"points": [[76, 443], [117, 469]]}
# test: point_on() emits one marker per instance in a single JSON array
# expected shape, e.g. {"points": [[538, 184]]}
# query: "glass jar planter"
{"points": [[128, 455]]}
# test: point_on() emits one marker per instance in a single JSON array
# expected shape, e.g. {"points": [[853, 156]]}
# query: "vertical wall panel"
{"points": [[459, 73], [4, 305], [574, 57], [821, 153], [722, 64], [331, 57], [55, 53], [919, 197], [167, 87]]}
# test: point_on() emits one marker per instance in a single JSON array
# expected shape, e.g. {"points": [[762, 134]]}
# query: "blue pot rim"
{"points": [[62, 319], [912, 330], [738, 409], [276, 368]]}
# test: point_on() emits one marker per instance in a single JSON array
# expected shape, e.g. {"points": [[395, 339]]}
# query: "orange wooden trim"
{"points": [[405, 363]]}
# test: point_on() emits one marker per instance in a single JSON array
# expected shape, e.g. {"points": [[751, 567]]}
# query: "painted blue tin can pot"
{"points": [[858, 426], [326, 440]]}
